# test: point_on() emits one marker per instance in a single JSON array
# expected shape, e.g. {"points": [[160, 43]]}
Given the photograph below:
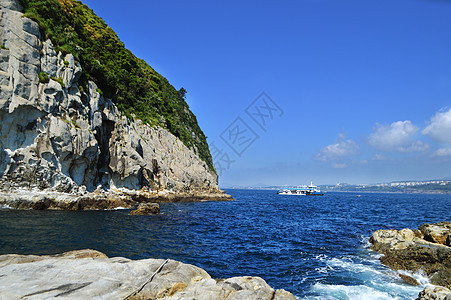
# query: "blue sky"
{"points": [[360, 91]]}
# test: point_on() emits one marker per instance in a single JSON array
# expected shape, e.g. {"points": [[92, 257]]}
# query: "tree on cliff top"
{"points": [[134, 86]]}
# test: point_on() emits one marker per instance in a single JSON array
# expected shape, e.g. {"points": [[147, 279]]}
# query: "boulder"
{"points": [[85, 274], [409, 279], [384, 240], [146, 209], [406, 250], [435, 293]]}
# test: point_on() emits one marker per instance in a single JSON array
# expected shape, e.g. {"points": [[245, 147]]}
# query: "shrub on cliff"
{"points": [[60, 81], [43, 77], [135, 87]]}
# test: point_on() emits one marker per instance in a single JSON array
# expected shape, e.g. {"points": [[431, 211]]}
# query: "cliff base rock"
{"points": [[99, 199]]}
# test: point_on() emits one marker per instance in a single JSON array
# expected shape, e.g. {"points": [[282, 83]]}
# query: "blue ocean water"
{"points": [[314, 247]]}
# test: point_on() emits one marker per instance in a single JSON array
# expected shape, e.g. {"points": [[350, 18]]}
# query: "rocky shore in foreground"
{"points": [[85, 274], [426, 250]]}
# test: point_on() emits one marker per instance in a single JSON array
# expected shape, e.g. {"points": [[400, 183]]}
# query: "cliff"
{"points": [[135, 87], [57, 137]]}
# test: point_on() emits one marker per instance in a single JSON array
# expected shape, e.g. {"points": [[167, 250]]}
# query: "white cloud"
{"points": [[443, 152], [339, 165], [439, 128], [343, 147], [397, 136], [414, 146], [378, 157]]}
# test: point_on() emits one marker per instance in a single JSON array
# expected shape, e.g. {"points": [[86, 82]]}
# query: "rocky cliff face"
{"points": [[56, 137]]}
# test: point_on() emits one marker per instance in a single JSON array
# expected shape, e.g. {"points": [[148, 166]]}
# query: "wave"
{"points": [[361, 277], [5, 206], [331, 291]]}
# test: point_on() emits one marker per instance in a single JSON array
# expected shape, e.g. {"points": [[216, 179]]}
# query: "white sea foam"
{"points": [[323, 270], [367, 278], [353, 292], [319, 257], [365, 241], [419, 276], [364, 267], [119, 208], [5, 206]]}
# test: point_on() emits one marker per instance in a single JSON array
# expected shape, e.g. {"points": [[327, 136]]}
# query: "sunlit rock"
{"points": [[84, 274]]}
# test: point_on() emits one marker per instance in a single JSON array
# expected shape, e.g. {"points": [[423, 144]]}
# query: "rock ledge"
{"points": [[99, 199], [88, 273]]}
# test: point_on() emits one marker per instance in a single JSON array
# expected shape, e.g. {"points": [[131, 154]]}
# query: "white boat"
{"points": [[309, 190]]}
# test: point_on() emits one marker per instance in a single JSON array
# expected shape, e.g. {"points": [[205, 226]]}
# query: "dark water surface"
{"points": [[315, 247]]}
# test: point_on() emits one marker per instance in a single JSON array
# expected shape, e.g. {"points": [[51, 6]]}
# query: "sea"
{"points": [[313, 246]]}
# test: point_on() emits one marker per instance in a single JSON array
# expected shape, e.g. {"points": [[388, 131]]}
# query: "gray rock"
{"points": [[11, 4], [22, 60], [88, 274], [48, 59]]}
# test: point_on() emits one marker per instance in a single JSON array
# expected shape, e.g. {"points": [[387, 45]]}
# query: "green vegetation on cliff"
{"points": [[135, 87]]}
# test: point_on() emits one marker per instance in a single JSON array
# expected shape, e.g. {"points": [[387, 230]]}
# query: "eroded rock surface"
{"points": [[439, 233], [86, 274], [59, 138], [426, 250]]}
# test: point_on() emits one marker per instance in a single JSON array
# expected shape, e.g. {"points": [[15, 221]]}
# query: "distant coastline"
{"points": [[440, 186], [425, 192], [405, 187], [368, 191]]}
